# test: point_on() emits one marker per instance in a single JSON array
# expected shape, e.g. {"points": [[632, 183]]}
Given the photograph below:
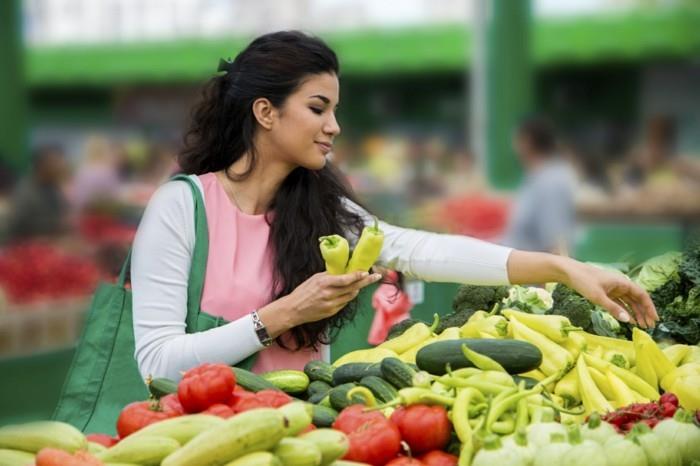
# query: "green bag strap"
{"points": [[195, 282]]}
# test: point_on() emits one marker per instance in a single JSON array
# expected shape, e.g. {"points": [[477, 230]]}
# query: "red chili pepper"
{"points": [[221, 410], [405, 461], [206, 385], [139, 414], [373, 438], [423, 427], [439, 458]]}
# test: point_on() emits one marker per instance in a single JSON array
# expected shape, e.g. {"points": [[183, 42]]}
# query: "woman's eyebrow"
{"points": [[323, 98]]}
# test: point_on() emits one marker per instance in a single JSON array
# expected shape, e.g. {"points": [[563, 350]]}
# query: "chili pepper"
{"points": [[373, 438], [450, 333], [481, 361], [365, 393], [410, 355], [413, 395], [554, 327], [414, 336], [501, 378], [623, 394], [367, 250], [335, 252], [593, 399], [634, 382], [555, 359], [463, 372], [460, 413], [650, 350], [423, 427], [482, 386], [504, 427], [602, 382], [574, 344], [494, 326], [623, 346], [521, 415], [644, 367], [500, 406], [206, 385]]}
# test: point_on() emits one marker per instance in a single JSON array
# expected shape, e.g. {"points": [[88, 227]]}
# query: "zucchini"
{"points": [[323, 416], [250, 381], [33, 436], [259, 458], [288, 380], [515, 356], [338, 396], [332, 443], [298, 415], [397, 372], [380, 388], [297, 452], [180, 428], [319, 370], [15, 457], [255, 430], [159, 387], [146, 450], [317, 387], [354, 371]]}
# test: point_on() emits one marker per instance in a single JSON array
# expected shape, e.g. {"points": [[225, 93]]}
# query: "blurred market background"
{"points": [[94, 96]]}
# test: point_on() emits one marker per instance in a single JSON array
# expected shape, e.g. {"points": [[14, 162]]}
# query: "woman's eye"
{"points": [[317, 111]]}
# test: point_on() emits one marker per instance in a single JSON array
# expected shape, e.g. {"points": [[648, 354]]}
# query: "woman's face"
{"points": [[305, 126]]}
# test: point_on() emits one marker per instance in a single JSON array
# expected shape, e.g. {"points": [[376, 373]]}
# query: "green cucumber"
{"points": [[338, 396], [397, 372], [323, 416], [515, 356], [161, 386], [319, 370], [288, 380], [529, 381], [380, 388], [354, 371], [317, 387], [250, 381]]}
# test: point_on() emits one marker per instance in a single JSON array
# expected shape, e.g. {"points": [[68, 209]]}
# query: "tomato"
{"points": [[439, 458], [423, 427], [56, 457], [352, 417], [373, 438], [102, 439], [405, 461], [245, 401], [221, 410], [206, 385], [139, 414], [171, 405]]}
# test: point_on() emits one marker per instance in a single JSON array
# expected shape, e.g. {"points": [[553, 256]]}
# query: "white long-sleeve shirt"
{"points": [[160, 264]]}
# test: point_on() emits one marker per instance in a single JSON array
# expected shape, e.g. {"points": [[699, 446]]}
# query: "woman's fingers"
{"points": [[367, 279], [616, 309]]}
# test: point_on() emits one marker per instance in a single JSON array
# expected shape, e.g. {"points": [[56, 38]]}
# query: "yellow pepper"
{"points": [[574, 344], [602, 383], [480, 322], [416, 334], [554, 327], [676, 353], [633, 381], [593, 399], [450, 333], [686, 389], [685, 370], [622, 393], [644, 367], [659, 360], [365, 355], [555, 359], [567, 387], [409, 356], [367, 249], [623, 346], [692, 356]]}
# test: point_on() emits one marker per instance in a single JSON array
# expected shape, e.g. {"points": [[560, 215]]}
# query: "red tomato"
{"points": [[439, 458], [373, 438], [405, 461], [103, 439], [56, 457], [353, 417], [424, 428], [206, 385], [221, 410], [171, 405], [263, 399], [139, 414]]}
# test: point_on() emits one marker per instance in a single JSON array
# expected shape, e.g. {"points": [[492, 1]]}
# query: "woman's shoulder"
{"points": [[174, 195]]}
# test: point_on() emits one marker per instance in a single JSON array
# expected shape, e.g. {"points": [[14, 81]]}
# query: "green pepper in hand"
{"points": [[335, 251], [367, 250]]}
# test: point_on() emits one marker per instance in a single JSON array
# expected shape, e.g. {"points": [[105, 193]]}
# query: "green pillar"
{"points": [[502, 85], [13, 90]]}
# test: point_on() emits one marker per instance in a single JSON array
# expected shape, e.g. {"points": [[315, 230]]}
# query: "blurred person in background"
{"points": [[543, 216], [39, 207], [256, 151], [97, 177]]}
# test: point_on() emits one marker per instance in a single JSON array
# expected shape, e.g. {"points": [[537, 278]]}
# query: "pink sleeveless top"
{"points": [[238, 278]]}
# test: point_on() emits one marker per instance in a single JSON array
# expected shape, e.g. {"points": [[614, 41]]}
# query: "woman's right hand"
{"points": [[323, 295]]}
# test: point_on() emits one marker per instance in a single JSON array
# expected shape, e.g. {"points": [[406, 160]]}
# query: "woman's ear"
{"points": [[264, 112]]}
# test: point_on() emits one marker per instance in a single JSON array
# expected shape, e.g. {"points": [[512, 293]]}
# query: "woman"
{"points": [[257, 150]]}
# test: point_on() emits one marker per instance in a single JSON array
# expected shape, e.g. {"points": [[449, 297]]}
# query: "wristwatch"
{"points": [[260, 329]]}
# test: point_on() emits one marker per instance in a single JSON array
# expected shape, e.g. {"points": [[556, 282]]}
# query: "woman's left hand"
{"points": [[613, 292]]}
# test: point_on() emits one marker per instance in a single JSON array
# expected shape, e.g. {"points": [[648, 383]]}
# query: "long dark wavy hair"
{"points": [[309, 203]]}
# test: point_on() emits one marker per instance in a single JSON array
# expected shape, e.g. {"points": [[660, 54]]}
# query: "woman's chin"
{"points": [[317, 163]]}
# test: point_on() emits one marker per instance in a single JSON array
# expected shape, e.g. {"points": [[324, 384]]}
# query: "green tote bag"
{"points": [[104, 376]]}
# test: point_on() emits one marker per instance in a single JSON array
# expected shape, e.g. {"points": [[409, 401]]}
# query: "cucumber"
{"points": [[323, 416], [515, 356], [147, 450], [259, 458], [354, 371], [15, 457], [33, 436], [529, 381], [298, 416], [316, 398], [317, 387], [255, 430], [397, 372], [338, 396], [319, 370], [288, 380], [382, 390], [180, 428], [162, 386], [250, 381], [297, 452], [332, 443]]}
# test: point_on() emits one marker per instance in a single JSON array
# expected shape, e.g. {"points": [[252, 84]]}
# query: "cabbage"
{"points": [[658, 270], [529, 299]]}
